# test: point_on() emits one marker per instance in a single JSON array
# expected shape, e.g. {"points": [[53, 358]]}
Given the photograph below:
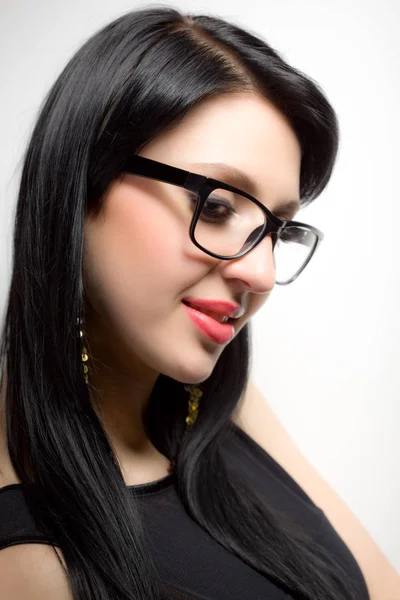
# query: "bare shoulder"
{"points": [[28, 571], [256, 417], [33, 572]]}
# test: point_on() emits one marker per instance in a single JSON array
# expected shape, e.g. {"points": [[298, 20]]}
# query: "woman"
{"points": [[122, 455]]}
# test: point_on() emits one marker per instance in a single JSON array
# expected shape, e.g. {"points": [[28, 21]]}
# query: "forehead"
{"points": [[243, 131]]}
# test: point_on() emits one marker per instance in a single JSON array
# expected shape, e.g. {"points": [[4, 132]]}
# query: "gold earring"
{"points": [[85, 356], [195, 392], [193, 404]]}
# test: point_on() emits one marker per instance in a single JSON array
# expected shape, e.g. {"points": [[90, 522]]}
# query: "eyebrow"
{"points": [[239, 179]]}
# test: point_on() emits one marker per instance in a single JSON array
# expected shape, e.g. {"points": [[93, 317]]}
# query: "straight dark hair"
{"points": [[130, 82]]}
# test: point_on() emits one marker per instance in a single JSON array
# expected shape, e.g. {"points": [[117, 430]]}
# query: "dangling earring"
{"points": [[193, 404], [193, 407], [195, 392], [85, 356]]}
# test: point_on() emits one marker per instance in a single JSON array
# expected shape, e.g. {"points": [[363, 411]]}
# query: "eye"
{"points": [[287, 212], [282, 216], [285, 217], [216, 209]]}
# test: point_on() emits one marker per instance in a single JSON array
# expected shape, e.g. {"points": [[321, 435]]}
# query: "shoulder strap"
{"points": [[17, 525]]}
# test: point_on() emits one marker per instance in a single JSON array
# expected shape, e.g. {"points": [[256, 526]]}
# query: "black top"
{"points": [[191, 564]]}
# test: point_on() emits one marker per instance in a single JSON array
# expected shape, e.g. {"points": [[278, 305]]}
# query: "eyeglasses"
{"points": [[226, 222]]}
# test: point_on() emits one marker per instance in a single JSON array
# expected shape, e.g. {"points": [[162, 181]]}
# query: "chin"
{"points": [[192, 372]]}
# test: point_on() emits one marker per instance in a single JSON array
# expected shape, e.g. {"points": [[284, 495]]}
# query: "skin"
{"points": [[139, 263]]}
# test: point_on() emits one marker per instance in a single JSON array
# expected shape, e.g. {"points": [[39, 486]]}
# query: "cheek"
{"points": [[133, 255], [152, 233]]}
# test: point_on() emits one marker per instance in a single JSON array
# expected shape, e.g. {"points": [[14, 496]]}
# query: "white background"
{"points": [[326, 347]]}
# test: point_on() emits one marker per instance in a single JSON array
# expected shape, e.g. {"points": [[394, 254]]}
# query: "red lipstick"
{"points": [[219, 307], [221, 333]]}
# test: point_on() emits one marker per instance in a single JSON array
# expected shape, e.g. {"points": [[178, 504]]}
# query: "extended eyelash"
{"points": [[284, 217]]}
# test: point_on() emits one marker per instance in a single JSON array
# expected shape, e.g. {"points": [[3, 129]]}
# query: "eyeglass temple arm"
{"points": [[147, 167]]}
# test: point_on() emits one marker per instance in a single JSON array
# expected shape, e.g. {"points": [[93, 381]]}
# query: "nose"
{"points": [[256, 268]]}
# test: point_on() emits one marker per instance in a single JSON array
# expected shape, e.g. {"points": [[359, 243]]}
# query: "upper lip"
{"points": [[220, 307]]}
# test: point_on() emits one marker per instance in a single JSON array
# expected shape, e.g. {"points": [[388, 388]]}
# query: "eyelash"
{"points": [[284, 217], [281, 216]]}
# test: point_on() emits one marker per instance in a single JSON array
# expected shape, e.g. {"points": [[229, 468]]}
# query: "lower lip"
{"points": [[218, 332]]}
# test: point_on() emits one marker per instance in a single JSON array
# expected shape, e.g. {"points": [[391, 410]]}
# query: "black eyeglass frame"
{"points": [[203, 186]]}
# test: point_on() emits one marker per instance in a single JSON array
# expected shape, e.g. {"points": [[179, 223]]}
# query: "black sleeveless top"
{"points": [[191, 564]]}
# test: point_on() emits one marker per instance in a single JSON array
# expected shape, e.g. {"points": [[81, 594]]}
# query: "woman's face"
{"points": [[139, 261]]}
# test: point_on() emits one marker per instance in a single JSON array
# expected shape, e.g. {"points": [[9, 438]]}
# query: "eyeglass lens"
{"points": [[228, 223]]}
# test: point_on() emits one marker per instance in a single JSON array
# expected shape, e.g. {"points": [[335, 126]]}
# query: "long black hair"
{"points": [[130, 82]]}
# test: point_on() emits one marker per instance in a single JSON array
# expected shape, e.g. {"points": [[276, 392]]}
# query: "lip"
{"points": [[221, 333], [220, 307]]}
